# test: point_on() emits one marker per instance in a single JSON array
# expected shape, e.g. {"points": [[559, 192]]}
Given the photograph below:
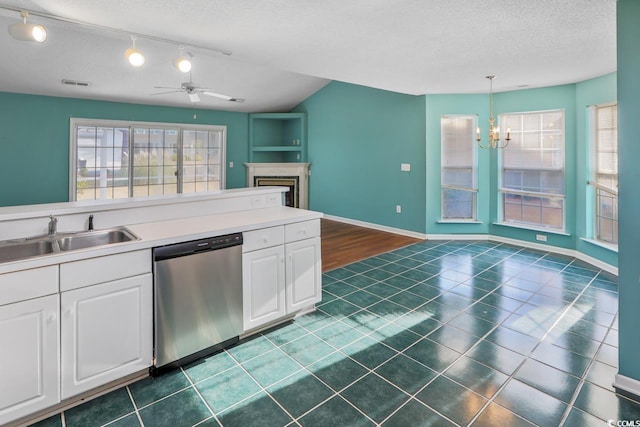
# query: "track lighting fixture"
{"points": [[27, 32], [182, 62], [133, 55]]}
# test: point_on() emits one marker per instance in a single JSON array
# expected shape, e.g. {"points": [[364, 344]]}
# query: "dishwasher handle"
{"points": [[196, 246]]}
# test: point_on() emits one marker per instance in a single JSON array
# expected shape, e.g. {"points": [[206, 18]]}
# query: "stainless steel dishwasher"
{"points": [[197, 298]]}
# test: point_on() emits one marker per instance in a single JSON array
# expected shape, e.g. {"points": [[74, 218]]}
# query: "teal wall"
{"points": [[629, 177], [34, 136], [357, 139]]}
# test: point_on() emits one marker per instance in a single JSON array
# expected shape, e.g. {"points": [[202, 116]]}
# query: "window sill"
{"points": [[532, 228], [458, 221], [604, 245]]}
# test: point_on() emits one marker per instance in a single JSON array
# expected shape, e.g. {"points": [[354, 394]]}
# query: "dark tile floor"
{"points": [[437, 333]]}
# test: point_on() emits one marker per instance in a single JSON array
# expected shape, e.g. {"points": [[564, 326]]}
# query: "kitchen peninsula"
{"points": [[80, 322]]}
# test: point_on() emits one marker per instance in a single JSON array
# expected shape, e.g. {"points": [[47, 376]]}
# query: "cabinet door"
{"points": [[304, 274], [263, 286], [106, 333], [29, 357]]}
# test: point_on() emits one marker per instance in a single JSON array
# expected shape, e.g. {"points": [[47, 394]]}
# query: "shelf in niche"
{"points": [[271, 136]]}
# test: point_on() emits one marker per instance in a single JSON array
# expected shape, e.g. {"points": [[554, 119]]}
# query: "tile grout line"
{"points": [[528, 357], [135, 406], [193, 386], [489, 332]]}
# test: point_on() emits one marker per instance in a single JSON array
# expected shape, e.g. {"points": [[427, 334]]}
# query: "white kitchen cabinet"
{"points": [[29, 357], [303, 274], [281, 272], [106, 332], [263, 286]]}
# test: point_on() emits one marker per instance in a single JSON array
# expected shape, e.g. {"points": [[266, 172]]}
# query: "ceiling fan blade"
{"points": [[194, 97], [221, 96], [177, 89], [164, 93]]}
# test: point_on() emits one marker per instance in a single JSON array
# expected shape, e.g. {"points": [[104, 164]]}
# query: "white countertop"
{"points": [[161, 233]]}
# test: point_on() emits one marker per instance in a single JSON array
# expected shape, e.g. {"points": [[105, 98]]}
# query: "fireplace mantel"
{"points": [[283, 170]]}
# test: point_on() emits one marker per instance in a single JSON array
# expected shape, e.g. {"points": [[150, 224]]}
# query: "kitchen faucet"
{"points": [[53, 225]]}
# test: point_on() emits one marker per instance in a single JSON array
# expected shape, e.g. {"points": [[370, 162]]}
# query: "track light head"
{"points": [[28, 32], [183, 64], [133, 55]]}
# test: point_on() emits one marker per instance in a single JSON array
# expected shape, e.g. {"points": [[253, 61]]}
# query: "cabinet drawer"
{"points": [[27, 284], [264, 238], [91, 271], [302, 230]]}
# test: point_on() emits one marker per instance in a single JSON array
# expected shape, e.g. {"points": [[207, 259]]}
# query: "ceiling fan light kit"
{"points": [[24, 31]]}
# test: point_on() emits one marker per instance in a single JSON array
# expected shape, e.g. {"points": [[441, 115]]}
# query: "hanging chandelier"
{"points": [[494, 131]]}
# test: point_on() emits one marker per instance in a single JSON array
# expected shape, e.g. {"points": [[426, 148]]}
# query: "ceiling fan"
{"points": [[194, 90]]}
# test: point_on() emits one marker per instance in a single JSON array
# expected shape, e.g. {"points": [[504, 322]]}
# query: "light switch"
{"points": [[405, 167]]}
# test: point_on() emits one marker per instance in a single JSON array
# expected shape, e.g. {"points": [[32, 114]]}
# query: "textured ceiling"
{"points": [[283, 51]]}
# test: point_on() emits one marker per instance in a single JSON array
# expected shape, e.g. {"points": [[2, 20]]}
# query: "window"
{"points": [[604, 172], [458, 163], [114, 160], [532, 170]]}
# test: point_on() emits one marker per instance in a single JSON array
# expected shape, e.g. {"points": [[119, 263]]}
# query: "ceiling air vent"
{"points": [[75, 83]]}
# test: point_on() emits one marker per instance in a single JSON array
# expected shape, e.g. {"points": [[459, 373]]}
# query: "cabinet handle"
{"points": [[264, 240], [52, 317], [68, 312]]}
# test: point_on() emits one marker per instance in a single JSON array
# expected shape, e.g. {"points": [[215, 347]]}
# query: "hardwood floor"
{"points": [[343, 243]]}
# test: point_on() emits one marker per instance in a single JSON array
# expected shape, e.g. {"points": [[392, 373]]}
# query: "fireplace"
{"points": [[291, 175], [291, 197]]}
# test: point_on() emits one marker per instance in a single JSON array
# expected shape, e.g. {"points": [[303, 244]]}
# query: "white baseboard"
{"points": [[458, 237], [562, 251], [377, 227], [627, 384]]}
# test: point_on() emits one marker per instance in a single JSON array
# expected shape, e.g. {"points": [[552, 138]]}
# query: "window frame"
{"points": [[593, 186], [503, 191], [473, 189], [75, 123]]}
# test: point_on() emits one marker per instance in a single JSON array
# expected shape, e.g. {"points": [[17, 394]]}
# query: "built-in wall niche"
{"points": [[295, 176], [277, 138]]}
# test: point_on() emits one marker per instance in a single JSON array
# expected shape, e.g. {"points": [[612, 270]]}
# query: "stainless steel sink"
{"points": [[13, 250], [90, 239]]}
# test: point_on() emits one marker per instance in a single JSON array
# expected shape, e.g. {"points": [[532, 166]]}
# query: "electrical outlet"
{"points": [[230, 164], [541, 237], [405, 167], [398, 209]]}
